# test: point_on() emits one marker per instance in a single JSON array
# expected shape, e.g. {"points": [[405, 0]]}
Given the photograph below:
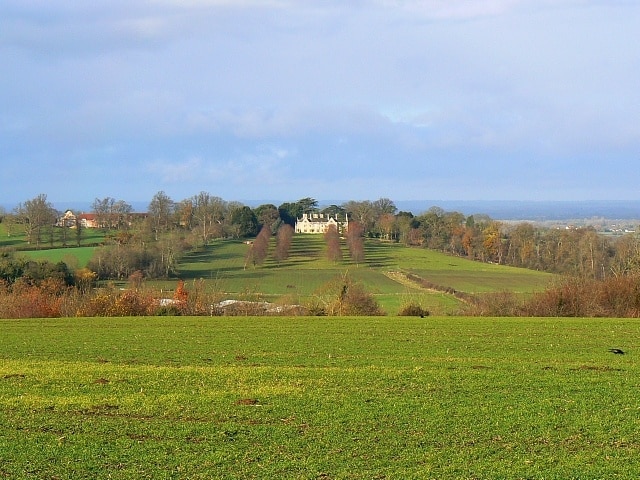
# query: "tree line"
{"points": [[154, 241], [601, 273]]}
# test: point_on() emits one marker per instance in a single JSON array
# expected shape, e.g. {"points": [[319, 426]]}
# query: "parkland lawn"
{"points": [[319, 398], [221, 265], [307, 270]]}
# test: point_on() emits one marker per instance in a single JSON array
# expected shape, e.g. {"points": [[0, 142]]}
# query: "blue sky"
{"points": [[284, 99]]}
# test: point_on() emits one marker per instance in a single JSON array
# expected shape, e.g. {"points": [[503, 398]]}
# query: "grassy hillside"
{"points": [[319, 398], [381, 272]]}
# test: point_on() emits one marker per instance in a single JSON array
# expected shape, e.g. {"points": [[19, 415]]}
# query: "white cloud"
{"points": [[169, 172]]}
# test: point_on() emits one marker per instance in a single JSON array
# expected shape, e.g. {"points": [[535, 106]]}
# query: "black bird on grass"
{"points": [[617, 351]]}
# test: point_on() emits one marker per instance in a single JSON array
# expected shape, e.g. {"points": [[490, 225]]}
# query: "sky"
{"points": [[277, 100]]}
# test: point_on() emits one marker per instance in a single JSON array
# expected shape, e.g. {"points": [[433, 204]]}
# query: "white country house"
{"points": [[320, 223]]}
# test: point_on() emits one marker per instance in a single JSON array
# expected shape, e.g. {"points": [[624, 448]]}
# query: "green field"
{"points": [[222, 267], [77, 257], [307, 270], [319, 398]]}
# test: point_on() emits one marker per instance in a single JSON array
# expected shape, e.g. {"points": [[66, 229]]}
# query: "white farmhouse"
{"points": [[319, 223]]}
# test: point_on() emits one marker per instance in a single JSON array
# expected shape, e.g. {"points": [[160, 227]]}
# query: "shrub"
{"points": [[413, 310], [342, 296], [111, 303]]}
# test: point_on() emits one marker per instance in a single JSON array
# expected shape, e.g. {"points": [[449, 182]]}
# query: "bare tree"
{"points": [[37, 216], [355, 241], [362, 212], [388, 226], [332, 238], [208, 212], [259, 248], [102, 208], [161, 210], [283, 242]]}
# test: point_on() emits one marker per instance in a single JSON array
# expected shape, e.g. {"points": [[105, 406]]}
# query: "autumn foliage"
{"points": [[332, 239], [283, 242], [355, 241], [259, 249], [568, 297]]}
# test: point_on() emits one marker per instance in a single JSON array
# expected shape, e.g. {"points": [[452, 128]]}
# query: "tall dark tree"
{"points": [[268, 216], [290, 212], [244, 222], [79, 230], [335, 211]]}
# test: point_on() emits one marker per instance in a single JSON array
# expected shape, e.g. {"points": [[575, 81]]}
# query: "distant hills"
{"points": [[533, 210]]}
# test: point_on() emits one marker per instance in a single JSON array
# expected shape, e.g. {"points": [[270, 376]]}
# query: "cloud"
{"points": [[264, 165], [384, 92], [176, 172], [452, 9], [288, 122]]}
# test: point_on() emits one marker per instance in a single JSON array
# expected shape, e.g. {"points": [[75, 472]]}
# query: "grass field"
{"points": [[307, 270], [319, 398], [222, 266], [76, 257]]}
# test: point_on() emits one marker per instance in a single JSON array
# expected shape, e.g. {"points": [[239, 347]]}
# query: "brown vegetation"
{"points": [[569, 297], [355, 241], [343, 296], [259, 249], [283, 242], [332, 239]]}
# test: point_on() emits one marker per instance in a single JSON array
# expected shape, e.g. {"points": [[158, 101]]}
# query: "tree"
{"points": [[203, 213], [102, 208], [79, 230], [308, 204], [383, 206], [405, 222], [283, 242], [259, 248], [111, 213], [388, 226], [290, 212], [185, 215], [332, 239], [627, 255], [121, 214], [37, 215], [355, 241], [161, 210], [492, 242], [334, 211], [362, 212], [10, 220], [244, 222], [268, 216]]}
